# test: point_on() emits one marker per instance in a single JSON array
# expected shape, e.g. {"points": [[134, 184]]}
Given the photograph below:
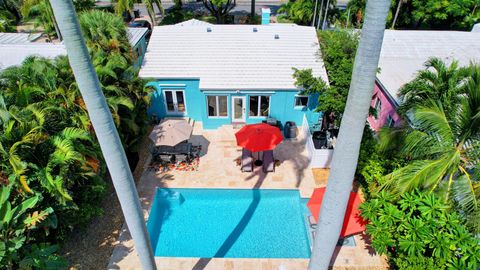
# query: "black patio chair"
{"points": [[247, 160], [268, 161]]}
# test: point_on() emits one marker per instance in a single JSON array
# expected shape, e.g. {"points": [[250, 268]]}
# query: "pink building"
{"points": [[385, 108], [404, 53]]}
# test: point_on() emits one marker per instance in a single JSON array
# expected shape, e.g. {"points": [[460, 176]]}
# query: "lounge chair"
{"points": [[247, 160], [312, 222], [268, 161]]}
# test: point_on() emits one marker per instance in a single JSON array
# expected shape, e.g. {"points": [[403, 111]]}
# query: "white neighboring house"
{"points": [[15, 47]]}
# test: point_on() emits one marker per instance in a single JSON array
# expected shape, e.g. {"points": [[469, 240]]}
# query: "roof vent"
{"points": [[209, 29], [277, 36], [255, 29]]}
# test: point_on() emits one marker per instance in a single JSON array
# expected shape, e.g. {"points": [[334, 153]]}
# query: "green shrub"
{"points": [[418, 231]]}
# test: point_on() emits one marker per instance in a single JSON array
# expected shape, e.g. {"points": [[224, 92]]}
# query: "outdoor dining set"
{"points": [[171, 148], [170, 143]]}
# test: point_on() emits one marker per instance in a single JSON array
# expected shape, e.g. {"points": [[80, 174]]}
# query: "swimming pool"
{"points": [[230, 223]]}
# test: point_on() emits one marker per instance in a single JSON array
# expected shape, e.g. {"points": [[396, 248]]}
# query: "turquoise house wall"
{"points": [[281, 104], [140, 48]]}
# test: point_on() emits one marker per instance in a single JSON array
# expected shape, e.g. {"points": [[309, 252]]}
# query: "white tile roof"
{"points": [[12, 55], [15, 47], [404, 53], [233, 56], [193, 22], [135, 34], [18, 38]]}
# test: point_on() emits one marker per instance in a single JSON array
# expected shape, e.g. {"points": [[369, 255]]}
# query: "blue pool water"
{"points": [[231, 223]]}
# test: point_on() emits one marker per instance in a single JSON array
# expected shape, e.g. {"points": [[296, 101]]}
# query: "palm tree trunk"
{"points": [[400, 2], [326, 14], [345, 156], [320, 15], [252, 11], [315, 13], [106, 132]]}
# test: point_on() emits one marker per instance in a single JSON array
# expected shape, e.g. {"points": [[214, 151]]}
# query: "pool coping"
{"points": [[125, 257]]}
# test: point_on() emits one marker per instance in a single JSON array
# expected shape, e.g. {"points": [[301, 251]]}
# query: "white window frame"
{"points": [[295, 101], [259, 106], [390, 121], [217, 106], [174, 99], [378, 105]]}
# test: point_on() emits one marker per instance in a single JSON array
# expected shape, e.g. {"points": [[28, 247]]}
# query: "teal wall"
{"points": [[141, 48], [281, 104]]}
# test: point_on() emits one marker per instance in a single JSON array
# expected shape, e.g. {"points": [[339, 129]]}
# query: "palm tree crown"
{"points": [[443, 145]]}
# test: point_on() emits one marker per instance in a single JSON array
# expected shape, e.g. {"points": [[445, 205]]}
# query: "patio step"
{"points": [[238, 126]]}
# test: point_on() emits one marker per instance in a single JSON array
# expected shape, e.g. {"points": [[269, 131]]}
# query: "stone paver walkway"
{"points": [[218, 169]]}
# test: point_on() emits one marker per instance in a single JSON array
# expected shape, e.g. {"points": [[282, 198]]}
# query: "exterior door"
{"points": [[238, 109], [175, 101]]}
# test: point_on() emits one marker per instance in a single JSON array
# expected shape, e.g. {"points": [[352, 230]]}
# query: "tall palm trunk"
{"points": [[320, 15], [345, 156], [315, 13], [400, 2], [252, 11], [326, 14], [106, 132]]}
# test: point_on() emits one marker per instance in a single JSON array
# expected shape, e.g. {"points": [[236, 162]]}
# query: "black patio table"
{"points": [[179, 149]]}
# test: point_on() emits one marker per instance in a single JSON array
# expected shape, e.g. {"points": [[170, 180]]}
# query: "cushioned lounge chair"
{"points": [[247, 160], [268, 161], [312, 222]]}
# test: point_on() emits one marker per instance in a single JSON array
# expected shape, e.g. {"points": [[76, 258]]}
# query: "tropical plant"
{"points": [[40, 12], [43, 256], [450, 14], [219, 9], [113, 59], [17, 221], [347, 149], [374, 164], [122, 6], [338, 53], [7, 23], [10, 9], [47, 142], [425, 14], [442, 146], [299, 11], [107, 135], [418, 231], [437, 81]]}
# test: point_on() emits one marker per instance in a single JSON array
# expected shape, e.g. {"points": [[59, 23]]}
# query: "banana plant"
{"points": [[16, 219]]}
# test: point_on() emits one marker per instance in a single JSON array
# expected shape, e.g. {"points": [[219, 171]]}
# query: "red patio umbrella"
{"points": [[352, 223], [258, 137]]}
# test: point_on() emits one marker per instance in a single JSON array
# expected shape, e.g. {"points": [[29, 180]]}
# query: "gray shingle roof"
{"points": [[233, 56]]}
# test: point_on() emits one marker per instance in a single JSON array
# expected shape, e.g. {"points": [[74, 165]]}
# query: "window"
{"points": [[301, 101], [378, 107], [390, 121], [259, 106], [174, 101], [217, 106]]}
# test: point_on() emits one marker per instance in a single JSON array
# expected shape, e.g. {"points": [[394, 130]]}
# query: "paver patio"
{"points": [[218, 169]]}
